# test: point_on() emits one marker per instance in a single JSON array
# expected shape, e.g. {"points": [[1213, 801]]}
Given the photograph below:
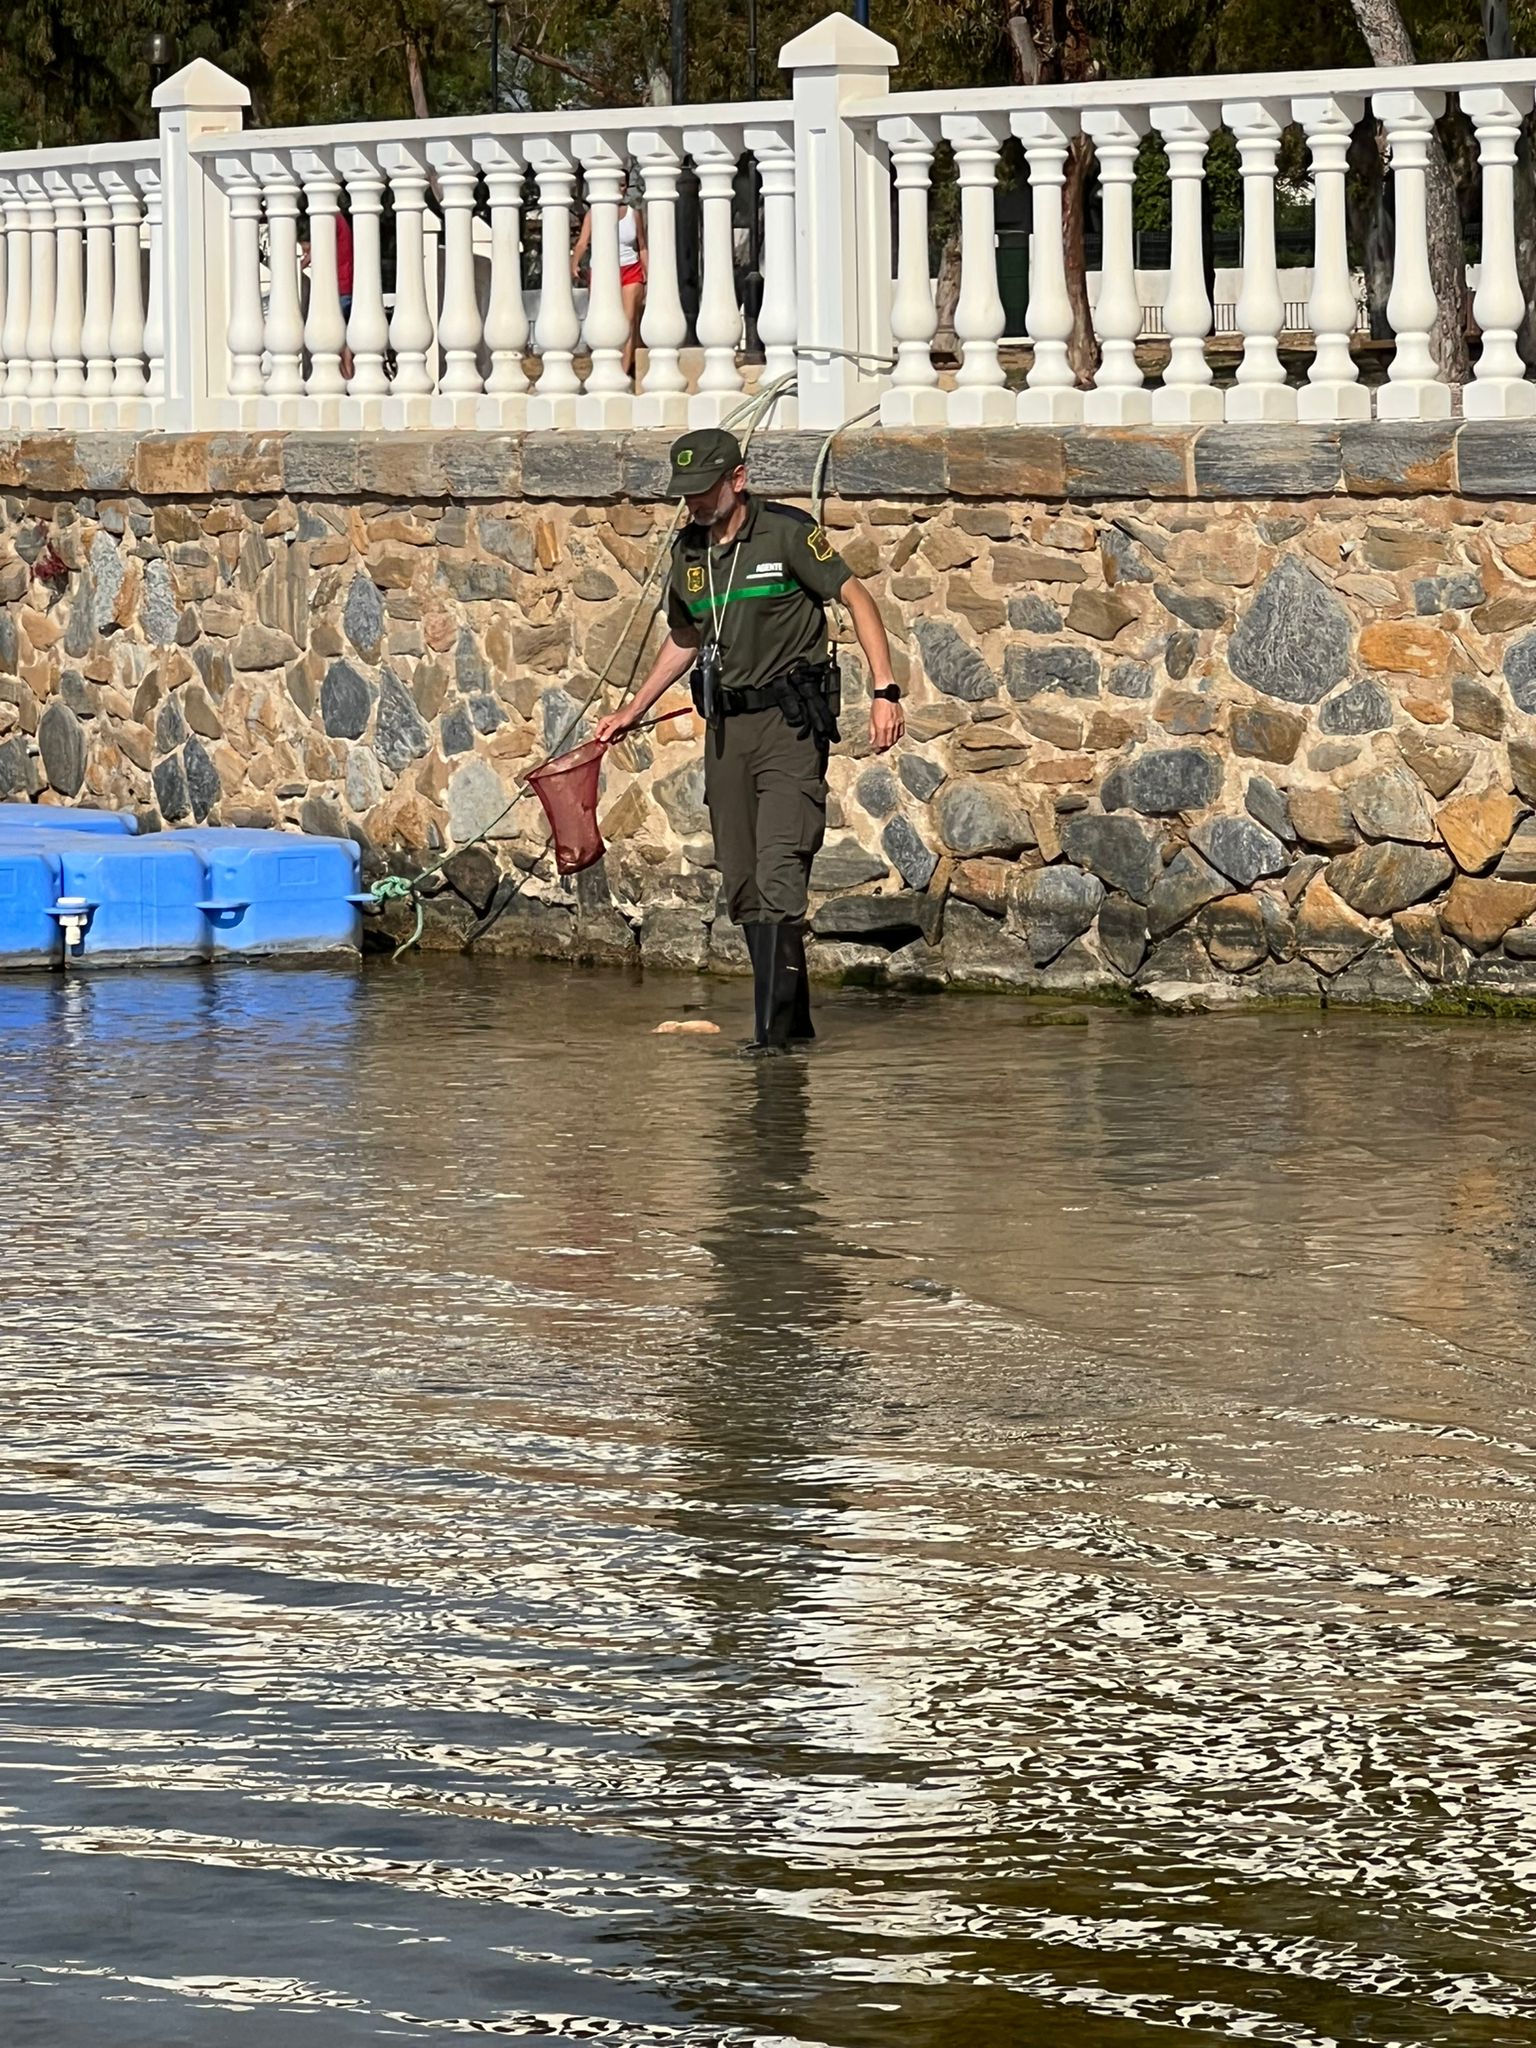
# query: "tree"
{"points": [[1387, 39]]}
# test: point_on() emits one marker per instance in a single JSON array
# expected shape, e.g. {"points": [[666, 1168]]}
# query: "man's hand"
{"points": [[615, 725], [886, 724]]}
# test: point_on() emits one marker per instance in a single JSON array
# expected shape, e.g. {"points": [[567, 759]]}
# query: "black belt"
{"points": [[732, 703]]}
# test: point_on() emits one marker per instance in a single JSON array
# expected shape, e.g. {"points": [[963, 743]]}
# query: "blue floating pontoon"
{"points": [[55, 818], [86, 887]]}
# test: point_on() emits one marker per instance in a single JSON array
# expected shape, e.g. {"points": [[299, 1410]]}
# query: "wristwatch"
{"points": [[891, 692]]}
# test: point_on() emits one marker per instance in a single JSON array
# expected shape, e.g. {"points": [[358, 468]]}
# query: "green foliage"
{"points": [[77, 70]]}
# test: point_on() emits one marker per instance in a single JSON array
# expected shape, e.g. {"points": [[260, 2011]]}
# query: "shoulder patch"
{"points": [[695, 580], [816, 540]]}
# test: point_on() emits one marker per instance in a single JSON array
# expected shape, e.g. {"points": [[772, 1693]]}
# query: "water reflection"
{"points": [[983, 1534]]}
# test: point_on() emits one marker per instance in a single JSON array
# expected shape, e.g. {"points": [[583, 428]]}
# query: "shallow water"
{"points": [[999, 1531]]}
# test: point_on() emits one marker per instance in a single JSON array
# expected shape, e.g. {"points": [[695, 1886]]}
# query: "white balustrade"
{"points": [[1413, 390], [1050, 391], [39, 339], [607, 400], [557, 329], [1498, 389], [69, 408], [325, 330], [133, 291], [1262, 392], [284, 339], [129, 381], [981, 397], [410, 325], [1119, 397], [459, 326], [247, 327], [1333, 390], [714, 152], [663, 398], [96, 324], [367, 323], [1188, 393], [778, 320], [914, 398], [506, 316], [18, 295], [148, 176]]}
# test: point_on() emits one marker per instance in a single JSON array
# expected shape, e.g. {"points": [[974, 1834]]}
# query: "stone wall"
{"points": [[1192, 715]]}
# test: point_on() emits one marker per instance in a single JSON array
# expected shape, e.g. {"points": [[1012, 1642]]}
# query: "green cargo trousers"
{"points": [[766, 789]]}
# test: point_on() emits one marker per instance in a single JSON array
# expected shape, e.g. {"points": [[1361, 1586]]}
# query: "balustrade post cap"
{"points": [[201, 85], [839, 43]]}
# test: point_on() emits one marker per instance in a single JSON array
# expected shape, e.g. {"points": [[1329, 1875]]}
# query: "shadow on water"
{"points": [[512, 1525]]}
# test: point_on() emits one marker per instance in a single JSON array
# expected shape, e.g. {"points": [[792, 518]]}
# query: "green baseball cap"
{"points": [[700, 459]]}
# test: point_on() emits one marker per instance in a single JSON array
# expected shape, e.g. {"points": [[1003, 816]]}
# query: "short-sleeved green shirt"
{"points": [[770, 601]]}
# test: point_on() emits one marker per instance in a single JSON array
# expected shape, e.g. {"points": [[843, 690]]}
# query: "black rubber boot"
{"points": [[782, 1001], [759, 938]]}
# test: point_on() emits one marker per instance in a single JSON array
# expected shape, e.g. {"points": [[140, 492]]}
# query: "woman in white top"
{"points": [[633, 263]]}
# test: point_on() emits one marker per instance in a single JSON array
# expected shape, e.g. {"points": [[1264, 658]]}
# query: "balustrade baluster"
{"points": [[246, 331], [459, 325], [96, 326], [981, 396], [1188, 393], [410, 326], [663, 400], [913, 398], [1119, 397], [39, 343], [778, 321], [432, 291], [68, 305], [607, 401], [127, 329], [18, 293], [148, 179], [1050, 391], [715, 152], [1498, 389], [1261, 392], [367, 325], [557, 329], [1333, 390], [285, 320], [506, 317], [325, 329], [1413, 390]]}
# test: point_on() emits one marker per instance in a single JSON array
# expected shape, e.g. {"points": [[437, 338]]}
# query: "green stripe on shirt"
{"points": [[702, 606]]}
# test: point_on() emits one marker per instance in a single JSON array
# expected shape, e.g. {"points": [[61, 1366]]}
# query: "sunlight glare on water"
{"points": [[1015, 1527]]}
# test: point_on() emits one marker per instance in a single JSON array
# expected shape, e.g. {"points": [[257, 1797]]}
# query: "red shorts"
{"points": [[631, 273]]}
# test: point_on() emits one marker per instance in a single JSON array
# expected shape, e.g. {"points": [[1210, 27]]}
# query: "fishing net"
{"points": [[567, 788]]}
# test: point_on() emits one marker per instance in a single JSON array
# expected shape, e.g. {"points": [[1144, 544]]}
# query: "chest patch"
{"points": [[768, 569], [695, 581]]}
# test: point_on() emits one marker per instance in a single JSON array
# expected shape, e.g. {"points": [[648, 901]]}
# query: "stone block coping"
{"points": [[1375, 459]]}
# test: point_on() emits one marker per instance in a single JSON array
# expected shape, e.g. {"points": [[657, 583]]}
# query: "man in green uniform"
{"points": [[746, 603]]}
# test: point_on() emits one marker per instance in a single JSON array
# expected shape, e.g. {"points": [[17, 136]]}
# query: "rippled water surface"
{"points": [[1018, 1527]]}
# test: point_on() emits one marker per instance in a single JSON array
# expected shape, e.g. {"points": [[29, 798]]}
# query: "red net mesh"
{"points": [[567, 788]]}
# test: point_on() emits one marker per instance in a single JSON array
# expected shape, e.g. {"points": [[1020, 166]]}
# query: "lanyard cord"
{"points": [[718, 605]]}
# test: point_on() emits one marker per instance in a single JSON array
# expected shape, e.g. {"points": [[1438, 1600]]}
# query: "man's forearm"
{"points": [[870, 628], [674, 660]]}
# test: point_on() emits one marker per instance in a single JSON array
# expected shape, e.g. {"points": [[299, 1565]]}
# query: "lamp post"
{"points": [[861, 12], [157, 51], [495, 7], [678, 25], [752, 284]]}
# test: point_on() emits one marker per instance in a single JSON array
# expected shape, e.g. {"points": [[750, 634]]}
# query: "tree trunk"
{"points": [[1387, 39], [1082, 344], [946, 343], [1368, 201], [417, 83]]}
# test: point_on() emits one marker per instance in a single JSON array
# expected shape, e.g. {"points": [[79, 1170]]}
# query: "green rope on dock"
{"points": [[401, 889]]}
